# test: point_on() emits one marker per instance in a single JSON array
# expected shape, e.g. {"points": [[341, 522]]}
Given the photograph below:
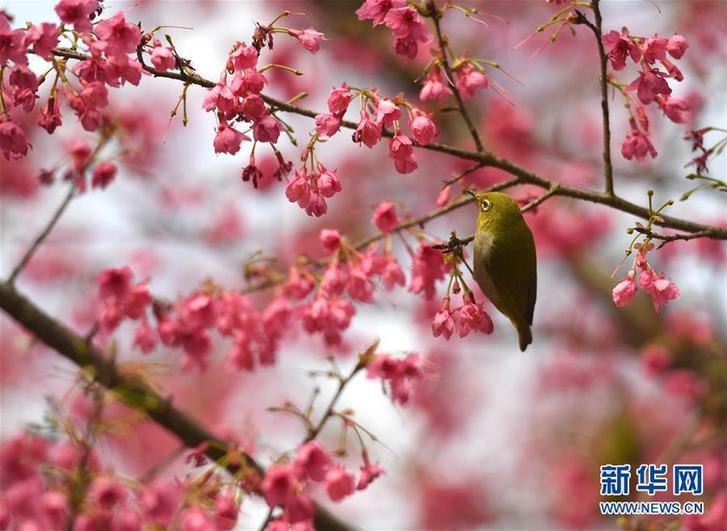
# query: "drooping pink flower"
{"points": [[328, 182], [620, 47], [228, 139], [387, 112], [226, 511], [406, 22], [625, 290], [649, 85], [219, 97], [313, 461], [120, 36], [103, 174], [299, 189], [397, 372], [278, 486], [385, 217], [407, 165], [162, 57], [434, 87], [144, 337], [266, 129], [676, 108], [662, 291], [443, 322], [50, 116], [469, 79], [676, 46], [422, 127], [330, 239], [368, 473], [472, 317], [77, 12], [427, 268], [243, 57], [317, 205], [254, 107], [43, 38], [81, 154], [406, 46], [637, 146], [107, 491], [376, 10], [400, 147], [339, 483], [327, 125], [12, 45], [309, 38], [367, 131], [392, 275], [338, 99], [13, 143], [654, 49]]}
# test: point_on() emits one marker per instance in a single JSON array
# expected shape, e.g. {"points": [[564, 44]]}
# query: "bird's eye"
{"points": [[486, 205]]}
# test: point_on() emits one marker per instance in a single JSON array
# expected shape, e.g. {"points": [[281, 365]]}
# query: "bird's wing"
{"points": [[513, 263]]}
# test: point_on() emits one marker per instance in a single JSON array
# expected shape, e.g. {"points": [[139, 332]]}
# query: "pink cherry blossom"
{"points": [[400, 147], [162, 57], [328, 182], [620, 47], [339, 483], [422, 127], [243, 57], [472, 317], [43, 38], [406, 165], [309, 38], [367, 131], [338, 100], [387, 112], [376, 10], [676, 46], [327, 125], [13, 142], [434, 87], [312, 461], [637, 146], [330, 239], [77, 12], [120, 36], [649, 85], [676, 108], [266, 129], [406, 22], [625, 290], [469, 79], [443, 322], [385, 217], [228, 139], [103, 174], [368, 472]]}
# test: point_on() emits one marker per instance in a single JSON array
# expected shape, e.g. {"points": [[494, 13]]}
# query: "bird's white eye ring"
{"points": [[486, 205]]}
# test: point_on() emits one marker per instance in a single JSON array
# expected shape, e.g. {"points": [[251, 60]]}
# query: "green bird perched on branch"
{"points": [[505, 266]]}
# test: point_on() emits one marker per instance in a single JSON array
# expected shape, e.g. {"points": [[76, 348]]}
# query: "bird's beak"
{"points": [[472, 193]]}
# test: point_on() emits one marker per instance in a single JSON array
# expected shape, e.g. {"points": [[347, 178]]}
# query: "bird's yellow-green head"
{"points": [[497, 211]]}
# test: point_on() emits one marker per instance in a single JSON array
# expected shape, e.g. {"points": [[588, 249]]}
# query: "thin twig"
{"points": [[436, 14], [343, 382], [43, 234], [534, 203], [603, 63]]}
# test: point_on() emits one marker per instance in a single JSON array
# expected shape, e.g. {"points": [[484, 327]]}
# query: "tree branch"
{"points": [[134, 391], [486, 159]]}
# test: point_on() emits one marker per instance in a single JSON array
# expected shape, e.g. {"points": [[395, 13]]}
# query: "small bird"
{"points": [[504, 260]]}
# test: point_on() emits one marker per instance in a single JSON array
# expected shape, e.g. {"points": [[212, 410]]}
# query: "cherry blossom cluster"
{"points": [[110, 44], [397, 373], [286, 484], [402, 19], [662, 290], [470, 317], [651, 86], [33, 498]]}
